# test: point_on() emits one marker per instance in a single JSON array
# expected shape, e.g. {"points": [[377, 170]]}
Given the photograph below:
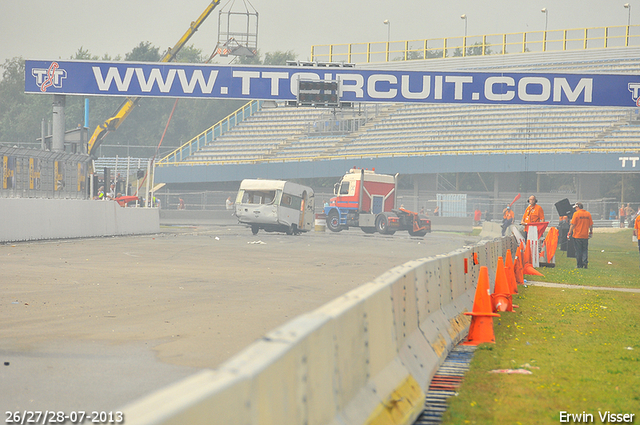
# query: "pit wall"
{"points": [[25, 219], [364, 358]]}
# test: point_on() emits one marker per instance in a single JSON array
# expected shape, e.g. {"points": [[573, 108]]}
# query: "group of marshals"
{"points": [[581, 229]]}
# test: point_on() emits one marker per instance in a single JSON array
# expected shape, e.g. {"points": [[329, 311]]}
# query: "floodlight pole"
{"points": [[628, 6], [546, 24], [464, 39], [388, 24]]}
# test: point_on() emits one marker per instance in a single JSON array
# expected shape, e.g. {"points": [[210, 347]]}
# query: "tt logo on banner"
{"points": [[51, 77], [633, 88]]}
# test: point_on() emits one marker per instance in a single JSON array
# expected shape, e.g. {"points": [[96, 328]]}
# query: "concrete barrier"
{"points": [[451, 224], [366, 357], [491, 229], [26, 219]]}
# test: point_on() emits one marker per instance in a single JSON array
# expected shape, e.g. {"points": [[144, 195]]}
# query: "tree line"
{"points": [[138, 136]]}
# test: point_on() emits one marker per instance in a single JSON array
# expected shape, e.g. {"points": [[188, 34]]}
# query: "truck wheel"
{"points": [[382, 225], [368, 230], [255, 229], [333, 221], [418, 233]]}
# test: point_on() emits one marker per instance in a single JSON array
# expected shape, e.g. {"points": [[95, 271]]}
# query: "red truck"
{"points": [[368, 200]]}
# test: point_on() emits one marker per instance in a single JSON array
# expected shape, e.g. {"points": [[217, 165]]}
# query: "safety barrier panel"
{"points": [[366, 357], [26, 219]]}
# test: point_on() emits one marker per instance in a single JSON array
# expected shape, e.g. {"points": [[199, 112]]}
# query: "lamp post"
{"points": [[464, 40], [464, 17], [388, 24], [546, 24], [628, 6]]}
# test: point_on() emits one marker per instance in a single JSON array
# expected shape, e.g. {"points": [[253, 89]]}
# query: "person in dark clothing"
{"points": [[563, 231]]}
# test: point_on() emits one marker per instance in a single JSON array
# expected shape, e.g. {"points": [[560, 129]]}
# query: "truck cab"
{"points": [[367, 200]]}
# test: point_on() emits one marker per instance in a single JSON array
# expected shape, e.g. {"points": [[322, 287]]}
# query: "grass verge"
{"points": [[581, 347], [613, 261]]}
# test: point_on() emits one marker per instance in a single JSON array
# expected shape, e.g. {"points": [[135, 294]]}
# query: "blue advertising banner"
{"points": [[90, 78]]}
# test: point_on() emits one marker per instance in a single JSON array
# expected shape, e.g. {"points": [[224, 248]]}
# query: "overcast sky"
{"points": [[45, 29]]}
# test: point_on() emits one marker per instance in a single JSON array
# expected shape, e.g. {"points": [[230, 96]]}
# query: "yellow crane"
{"points": [[129, 104]]}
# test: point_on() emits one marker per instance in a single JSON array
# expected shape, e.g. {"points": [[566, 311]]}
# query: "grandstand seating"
{"points": [[286, 134], [258, 136]]}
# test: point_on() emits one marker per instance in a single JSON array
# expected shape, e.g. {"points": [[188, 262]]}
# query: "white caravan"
{"points": [[275, 206]]}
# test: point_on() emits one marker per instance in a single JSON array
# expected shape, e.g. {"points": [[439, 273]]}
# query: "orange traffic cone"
{"points": [[528, 269], [481, 328], [501, 296], [511, 275]]}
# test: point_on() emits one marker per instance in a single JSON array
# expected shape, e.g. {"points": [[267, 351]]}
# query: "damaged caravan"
{"points": [[275, 206]]}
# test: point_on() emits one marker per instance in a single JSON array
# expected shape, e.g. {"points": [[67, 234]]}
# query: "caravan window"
{"points": [[291, 201], [258, 196]]}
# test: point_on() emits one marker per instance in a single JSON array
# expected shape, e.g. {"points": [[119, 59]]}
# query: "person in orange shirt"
{"points": [[477, 216], [636, 228], [507, 219], [533, 213], [581, 230]]}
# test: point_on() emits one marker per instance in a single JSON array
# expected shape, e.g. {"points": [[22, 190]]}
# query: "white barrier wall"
{"points": [[364, 358], [34, 219], [491, 229]]}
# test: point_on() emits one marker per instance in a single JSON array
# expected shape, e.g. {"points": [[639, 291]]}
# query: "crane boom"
{"points": [[129, 104]]}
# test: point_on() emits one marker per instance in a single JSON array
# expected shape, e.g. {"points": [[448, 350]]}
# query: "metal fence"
{"points": [[35, 173], [604, 211], [195, 200], [122, 166], [480, 45]]}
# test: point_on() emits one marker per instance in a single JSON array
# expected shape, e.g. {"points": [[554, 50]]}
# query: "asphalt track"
{"points": [[93, 324]]}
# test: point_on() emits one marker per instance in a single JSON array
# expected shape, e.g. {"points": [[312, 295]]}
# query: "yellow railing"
{"points": [[211, 133], [492, 44], [444, 152]]}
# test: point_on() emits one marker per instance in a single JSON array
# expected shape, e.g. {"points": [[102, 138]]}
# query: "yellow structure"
{"points": [[481, 45]]}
